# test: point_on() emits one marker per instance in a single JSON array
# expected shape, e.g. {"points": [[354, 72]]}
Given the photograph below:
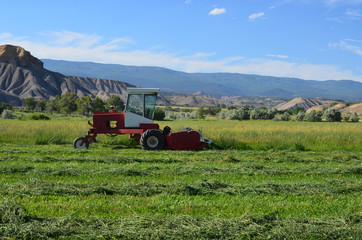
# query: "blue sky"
{"points": [[309, 39]]}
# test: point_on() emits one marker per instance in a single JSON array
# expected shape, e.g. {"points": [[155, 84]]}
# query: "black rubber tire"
{"points": [[77, 142], [152, 139]]}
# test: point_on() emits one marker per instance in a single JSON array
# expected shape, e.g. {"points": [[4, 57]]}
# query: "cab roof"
{"points": [[143, 90]]}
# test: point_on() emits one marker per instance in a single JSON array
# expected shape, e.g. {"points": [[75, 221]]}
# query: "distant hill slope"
{"points": [[357, 108], [318, 105], [217, 84], [304, 103], [22, 76]]}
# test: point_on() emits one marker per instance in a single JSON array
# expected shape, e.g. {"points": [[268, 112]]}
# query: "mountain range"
{"points": [[23, 75], [215, 84]]}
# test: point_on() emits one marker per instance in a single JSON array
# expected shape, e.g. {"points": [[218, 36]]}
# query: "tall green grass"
{"points": [[225, 134], [265, 135]]}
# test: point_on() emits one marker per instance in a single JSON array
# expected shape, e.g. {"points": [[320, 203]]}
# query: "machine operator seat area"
{"points": [[140, 106]]}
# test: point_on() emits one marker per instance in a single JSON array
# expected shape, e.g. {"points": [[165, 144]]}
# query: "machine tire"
{"points": [[152, 139], [77, 143]]}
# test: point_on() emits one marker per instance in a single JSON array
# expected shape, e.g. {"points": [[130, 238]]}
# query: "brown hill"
{"points": [[318, 108], [357, 108], [342, 107], [305, 103], [23, 76]]}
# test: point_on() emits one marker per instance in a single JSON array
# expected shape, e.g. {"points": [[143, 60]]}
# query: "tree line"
{"points": [[329, 114], [69, 103]]}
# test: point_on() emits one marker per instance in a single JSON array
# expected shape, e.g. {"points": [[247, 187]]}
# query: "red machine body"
{"points": [[113, 123], [136, 123], [185, 140]]}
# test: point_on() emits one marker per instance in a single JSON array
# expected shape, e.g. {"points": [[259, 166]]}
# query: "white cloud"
{"points": [[354, 13], [217, 11], [67, 38], [278, 56], [341, 2], [187, 1], [351, 45], [76, 47], [289, 69], [5, 35], [255, 16]]}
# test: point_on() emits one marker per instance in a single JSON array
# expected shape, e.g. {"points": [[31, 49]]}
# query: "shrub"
{"points": [[346, 117], [285, 116], [159, 114], [354, 117], [300, 116], [332, 115], [223, 115], [21, 117], [263, 113], [201, 113], [276, 118], [39, 117], [314, 116], [7, 114], [240, 114], [181, 115]]}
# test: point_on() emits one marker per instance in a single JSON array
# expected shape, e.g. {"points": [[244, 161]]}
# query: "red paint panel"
{"points": [[185, 141]]}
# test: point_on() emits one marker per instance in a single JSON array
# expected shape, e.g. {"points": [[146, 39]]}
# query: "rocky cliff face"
{"points": [[18, 56], [23, 75]]}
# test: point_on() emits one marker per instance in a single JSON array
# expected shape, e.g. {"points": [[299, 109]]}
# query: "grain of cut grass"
{"points": [[260, 180]]}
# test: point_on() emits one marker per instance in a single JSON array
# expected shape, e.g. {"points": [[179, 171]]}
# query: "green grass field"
{"points": [[262, 179]]}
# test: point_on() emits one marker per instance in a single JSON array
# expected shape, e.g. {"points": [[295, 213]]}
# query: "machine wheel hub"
{"points": [[152, 141]]}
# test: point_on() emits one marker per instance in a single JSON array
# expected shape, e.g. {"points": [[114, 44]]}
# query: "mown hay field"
{"points": [[262, 179]]}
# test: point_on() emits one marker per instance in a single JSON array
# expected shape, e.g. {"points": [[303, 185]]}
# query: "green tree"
{"points": [[67, 102], [285, 116], [241, 113], [297, 110], [53, 105], [354, 117], [201, 112], [314, 116], [30, 103], [84, 105], [116, 102], [212, 111], [98, 105], [42, 105], [332, 115], [263, 113], [4, 106]]}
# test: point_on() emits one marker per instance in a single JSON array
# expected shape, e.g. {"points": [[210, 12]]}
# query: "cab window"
{"points": [[150, 102], [135, 104]]}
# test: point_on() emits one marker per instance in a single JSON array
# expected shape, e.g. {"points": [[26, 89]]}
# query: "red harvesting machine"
{"points": [[137, 121]]}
